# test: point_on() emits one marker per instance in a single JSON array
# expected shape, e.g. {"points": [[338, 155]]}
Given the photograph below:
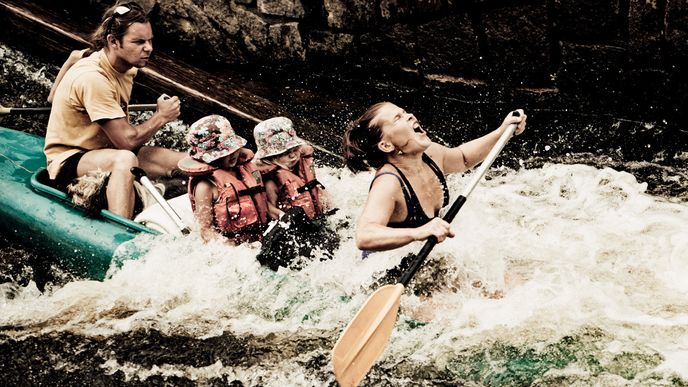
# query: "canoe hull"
{"points": [[45, 220]]}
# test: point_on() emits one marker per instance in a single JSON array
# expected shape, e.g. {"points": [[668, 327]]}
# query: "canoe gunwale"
{"points": [[57, 195], [46, 220]]}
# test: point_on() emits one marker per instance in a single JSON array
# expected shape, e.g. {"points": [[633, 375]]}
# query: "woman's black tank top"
{"points": [[415, 216]]}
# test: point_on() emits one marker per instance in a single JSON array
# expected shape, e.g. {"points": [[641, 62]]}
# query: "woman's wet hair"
{"points": [[360, 142], [116, 20]]}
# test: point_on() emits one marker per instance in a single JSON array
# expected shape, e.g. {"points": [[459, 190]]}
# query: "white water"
{"points": [[565, 250], [540, 255]]}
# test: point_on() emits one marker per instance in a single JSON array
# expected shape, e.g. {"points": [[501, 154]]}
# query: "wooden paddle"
{"points": [[46, 109], [364, 339]]}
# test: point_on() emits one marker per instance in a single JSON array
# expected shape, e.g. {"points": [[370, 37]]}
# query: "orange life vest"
{"points": [[302, 189], [241, 206]]}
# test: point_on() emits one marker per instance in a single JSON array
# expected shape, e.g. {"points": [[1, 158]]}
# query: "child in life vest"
{"points": [[286, 162], [226, 190]]}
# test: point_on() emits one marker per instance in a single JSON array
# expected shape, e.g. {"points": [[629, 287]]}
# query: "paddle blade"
{"points": [[365, 337]]}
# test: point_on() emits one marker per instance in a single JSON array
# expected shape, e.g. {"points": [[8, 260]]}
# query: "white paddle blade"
{"points": [[365, 337]]}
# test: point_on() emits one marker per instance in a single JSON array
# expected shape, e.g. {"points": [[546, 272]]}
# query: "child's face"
{"points": [[289, 158], [229, 161]]}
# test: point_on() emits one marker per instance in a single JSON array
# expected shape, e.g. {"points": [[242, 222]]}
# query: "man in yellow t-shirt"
{"points": [[88, 126]]}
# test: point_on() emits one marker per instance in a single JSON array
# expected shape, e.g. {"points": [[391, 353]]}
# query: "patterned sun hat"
{"points": [[275, 136], [211, 138]]}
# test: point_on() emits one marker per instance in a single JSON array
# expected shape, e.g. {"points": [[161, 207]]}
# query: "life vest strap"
{"points": [[252, 190], [309, 186]]}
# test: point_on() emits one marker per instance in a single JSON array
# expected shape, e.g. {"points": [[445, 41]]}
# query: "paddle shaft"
{"points": [[140, 176], [46, 109], [458, 203]]}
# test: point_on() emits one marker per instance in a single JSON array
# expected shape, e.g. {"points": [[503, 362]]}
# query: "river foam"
{"points": [[560, 274]]}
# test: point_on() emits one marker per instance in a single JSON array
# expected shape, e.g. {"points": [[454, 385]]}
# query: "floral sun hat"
{"points": [[211, 138], [275, 136]]}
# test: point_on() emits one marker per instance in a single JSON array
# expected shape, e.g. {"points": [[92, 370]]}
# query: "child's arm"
{"points": [[271, 192], [323, 196], [204, 210]]}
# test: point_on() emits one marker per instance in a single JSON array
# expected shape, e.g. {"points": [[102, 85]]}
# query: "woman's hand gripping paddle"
{"points": [[365, 337], [141, 177]]}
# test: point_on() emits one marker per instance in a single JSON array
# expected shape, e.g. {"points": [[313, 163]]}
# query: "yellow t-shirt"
{"points": [[91, 90]]}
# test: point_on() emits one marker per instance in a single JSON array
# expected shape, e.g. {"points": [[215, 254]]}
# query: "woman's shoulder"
{"points": [[386, 177], [436, 153], [436, 150], [386, 170]]}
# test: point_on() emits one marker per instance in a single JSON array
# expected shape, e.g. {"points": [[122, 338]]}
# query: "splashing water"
{"points": [[564, 274], [559, 275]]}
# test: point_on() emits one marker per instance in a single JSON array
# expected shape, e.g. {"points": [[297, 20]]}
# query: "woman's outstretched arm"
{"points": [[471, 153]]}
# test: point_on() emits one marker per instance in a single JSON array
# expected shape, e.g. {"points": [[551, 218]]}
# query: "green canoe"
{"points": [[45, 219]]}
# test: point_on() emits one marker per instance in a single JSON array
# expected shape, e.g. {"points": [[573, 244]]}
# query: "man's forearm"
{"points": [[147, 129]]}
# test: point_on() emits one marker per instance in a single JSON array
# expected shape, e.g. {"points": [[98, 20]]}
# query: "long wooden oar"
{"points": [[46, 109], [365, 337]]}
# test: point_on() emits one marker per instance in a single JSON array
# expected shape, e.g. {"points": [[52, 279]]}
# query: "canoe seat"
{"points": [[156, 218]]}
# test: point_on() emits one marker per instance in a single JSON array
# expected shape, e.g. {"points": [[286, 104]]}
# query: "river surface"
{"points": [[567, 270]]}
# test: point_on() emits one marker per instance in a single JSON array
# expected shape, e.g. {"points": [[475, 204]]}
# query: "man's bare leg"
{"points": [[158, 162], [120, 188]]}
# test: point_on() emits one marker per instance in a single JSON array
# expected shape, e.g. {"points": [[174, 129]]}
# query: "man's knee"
{"points": [[124, 160]]}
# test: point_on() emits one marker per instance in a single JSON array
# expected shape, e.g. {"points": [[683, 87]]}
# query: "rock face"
{"points": [[579, 52], [623, 58]]}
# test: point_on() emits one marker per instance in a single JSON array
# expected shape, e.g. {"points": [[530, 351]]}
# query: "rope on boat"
{"points": [[11, 160]]}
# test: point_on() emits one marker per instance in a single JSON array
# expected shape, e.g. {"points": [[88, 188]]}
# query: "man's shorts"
{"points": [[67, 173]]}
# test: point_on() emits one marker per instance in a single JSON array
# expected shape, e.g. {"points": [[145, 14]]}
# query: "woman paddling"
{"points": [[409, 188]]}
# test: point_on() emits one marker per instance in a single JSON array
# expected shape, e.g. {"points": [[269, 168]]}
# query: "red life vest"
{"points": [[302, 190], [241, 205]]}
